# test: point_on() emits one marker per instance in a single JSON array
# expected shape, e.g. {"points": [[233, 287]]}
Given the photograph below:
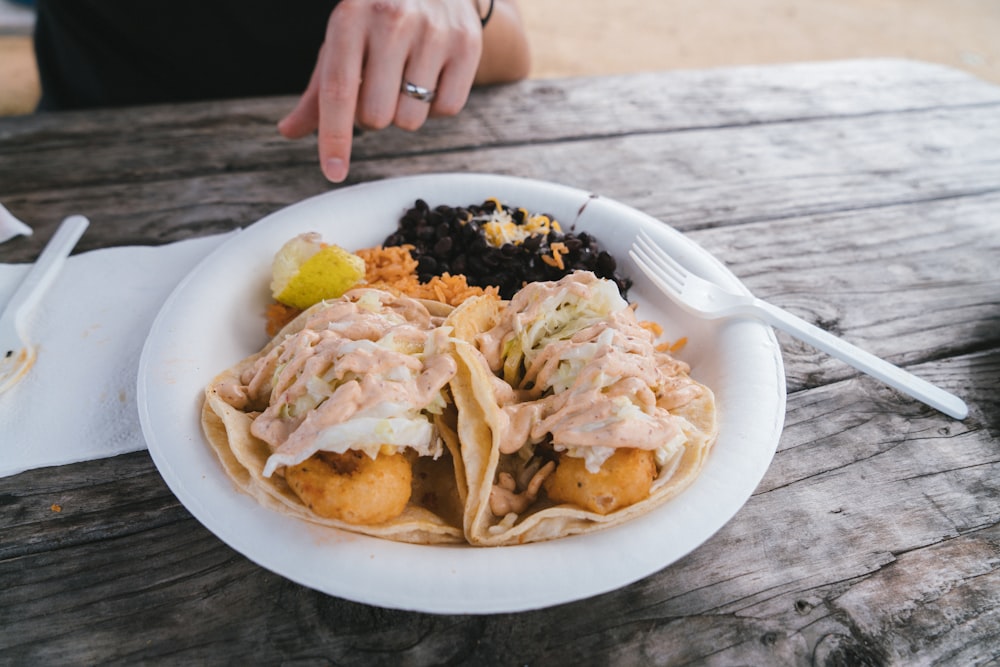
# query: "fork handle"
{"points": [[43, 272], [894, 376]]}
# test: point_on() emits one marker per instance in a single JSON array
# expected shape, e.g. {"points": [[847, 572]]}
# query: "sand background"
{"points": [[585, 37]]}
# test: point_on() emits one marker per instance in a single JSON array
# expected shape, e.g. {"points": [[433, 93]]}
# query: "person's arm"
{"points": [[374, 48], [506, 56]]}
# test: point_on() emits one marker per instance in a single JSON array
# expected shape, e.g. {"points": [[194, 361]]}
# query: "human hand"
{"points": [[372, 48]]}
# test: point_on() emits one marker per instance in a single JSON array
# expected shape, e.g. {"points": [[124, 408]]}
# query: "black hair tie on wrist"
{"points": [[489, 13]]}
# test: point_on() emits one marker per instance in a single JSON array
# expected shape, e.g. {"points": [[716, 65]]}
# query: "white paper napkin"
{"points": [[79, 400]]}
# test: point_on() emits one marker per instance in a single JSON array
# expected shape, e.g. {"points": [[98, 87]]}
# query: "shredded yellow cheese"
{"points": [[558, 250], [652, 327], [672, 347], [499, 227]]}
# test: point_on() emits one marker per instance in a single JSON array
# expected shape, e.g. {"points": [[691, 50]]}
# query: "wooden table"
{"points": [[862, 195]]}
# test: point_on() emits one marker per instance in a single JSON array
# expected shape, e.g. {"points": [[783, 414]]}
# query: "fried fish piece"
{"points": [[353, 487], [624, 479]]}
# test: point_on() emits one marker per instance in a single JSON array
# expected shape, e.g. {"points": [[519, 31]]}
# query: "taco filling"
{"points": [[344, 415], [588, 422]]}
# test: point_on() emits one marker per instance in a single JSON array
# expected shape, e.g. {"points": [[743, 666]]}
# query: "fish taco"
{"points": [[569, 417], [345, 419]]}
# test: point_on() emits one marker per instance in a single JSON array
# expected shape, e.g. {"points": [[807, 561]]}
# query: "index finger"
{"points": [[340, 80]]}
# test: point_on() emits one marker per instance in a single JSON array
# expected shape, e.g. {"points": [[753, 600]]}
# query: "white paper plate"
{"points": [[214, 318]]}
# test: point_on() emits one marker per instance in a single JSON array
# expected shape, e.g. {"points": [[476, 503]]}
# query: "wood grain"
{"points": [[689, 149], [864, 196]]}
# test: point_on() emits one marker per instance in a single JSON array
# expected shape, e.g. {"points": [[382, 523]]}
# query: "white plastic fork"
{"points": [[17, 354], [706, 299]]}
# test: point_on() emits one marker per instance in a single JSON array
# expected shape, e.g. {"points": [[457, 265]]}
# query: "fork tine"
{"points": [[649, 266], [642, 262], [664, 260]]}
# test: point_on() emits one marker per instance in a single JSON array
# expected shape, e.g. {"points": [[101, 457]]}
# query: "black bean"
{"points": [[443, 246], [606, 264], [450, 239], [471, 231], [427, 264]]}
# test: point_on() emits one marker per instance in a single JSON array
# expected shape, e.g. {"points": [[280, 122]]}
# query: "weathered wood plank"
{"points": [[707, 178], [886, 279], [205, 138], [566, 107], [691, 180]]}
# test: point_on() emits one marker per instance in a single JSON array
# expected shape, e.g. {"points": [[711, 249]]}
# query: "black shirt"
{"points": [[94, 53]]}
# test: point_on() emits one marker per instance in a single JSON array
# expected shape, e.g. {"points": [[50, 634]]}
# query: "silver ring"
{"points": [[418, 92]]}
